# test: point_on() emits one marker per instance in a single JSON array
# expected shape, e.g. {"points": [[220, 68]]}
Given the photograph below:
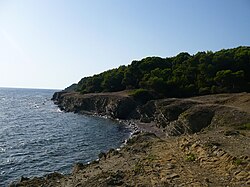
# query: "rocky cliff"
{"points": [[206, 143], [114, 106], [173, 116]]}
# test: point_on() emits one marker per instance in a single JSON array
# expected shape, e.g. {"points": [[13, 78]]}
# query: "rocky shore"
{"points": [[173, 116], [199, 141]]}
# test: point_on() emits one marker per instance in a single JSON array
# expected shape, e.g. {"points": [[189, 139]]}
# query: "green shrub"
{"points": [[244, 127], [138, 168], [151, 157], [238, 162], [204, 90], [141, 95], [190, 157]]}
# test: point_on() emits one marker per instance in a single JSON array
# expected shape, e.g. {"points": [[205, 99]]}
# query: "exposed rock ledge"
{"points": [[213, 152], [173, 116], [114, 106]]}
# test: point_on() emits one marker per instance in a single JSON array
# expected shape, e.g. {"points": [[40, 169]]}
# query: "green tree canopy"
{"points": [[227, 70]]}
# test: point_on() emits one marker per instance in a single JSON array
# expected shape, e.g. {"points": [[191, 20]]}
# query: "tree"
{"points": [[227, 70]]}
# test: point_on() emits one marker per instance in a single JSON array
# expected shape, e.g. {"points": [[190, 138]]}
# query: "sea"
{"points": [[37, 138]]}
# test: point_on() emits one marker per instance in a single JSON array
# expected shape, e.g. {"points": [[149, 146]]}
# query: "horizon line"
{"points": [[36, 88]]}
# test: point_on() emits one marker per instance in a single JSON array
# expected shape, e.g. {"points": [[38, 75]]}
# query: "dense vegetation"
{"points": [[179, 76]]}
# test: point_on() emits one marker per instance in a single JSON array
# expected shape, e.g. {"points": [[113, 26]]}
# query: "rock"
{"points": [[248, 182], [172, 176], [102, 155], [94, 162], [170, 166], [141, 138], [79, 166], [57, 95], [112, 152], [116, 178], [136, 132], [115, 106], [231, 133], [207, 180], [23, 179], [174, 116], [54, 176], [241, 175]]}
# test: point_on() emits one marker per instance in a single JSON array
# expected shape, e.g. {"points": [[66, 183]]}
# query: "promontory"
{"points": [[190, 115]]}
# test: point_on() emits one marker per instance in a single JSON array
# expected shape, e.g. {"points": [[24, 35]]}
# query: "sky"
{"points": [[54, 43]]}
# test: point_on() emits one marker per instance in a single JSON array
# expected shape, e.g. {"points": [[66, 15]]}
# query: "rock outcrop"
{"points": [[174, 116], [114, 106]]}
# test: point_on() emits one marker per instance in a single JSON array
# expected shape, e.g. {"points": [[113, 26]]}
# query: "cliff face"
{"points": [[114, 106], [191, 115], [172, 116]]}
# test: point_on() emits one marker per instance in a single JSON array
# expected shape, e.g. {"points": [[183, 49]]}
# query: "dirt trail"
{"points": [[239, 100]]}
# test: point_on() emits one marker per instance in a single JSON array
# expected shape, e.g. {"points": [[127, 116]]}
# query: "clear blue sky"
{"points": [[54, 43]]}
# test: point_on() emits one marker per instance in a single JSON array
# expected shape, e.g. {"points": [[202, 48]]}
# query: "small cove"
{"points": [[36, 138]]}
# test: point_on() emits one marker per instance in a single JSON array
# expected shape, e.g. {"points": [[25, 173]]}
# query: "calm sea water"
{"points": [[36, 138]]}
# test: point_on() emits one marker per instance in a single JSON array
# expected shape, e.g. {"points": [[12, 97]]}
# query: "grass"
{"points": [[151, 157], [245, 126], [138, 168], [190, 157], [238, 162]]}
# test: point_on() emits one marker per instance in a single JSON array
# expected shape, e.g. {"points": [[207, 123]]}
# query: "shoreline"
{"points": [[134, 131], [215, 154], [135, 125]]}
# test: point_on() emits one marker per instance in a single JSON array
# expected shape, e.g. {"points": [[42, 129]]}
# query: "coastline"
{"points": [[217, 149]]}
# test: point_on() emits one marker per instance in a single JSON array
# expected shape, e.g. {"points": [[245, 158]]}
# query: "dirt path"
{"points": [[239, 100]]}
